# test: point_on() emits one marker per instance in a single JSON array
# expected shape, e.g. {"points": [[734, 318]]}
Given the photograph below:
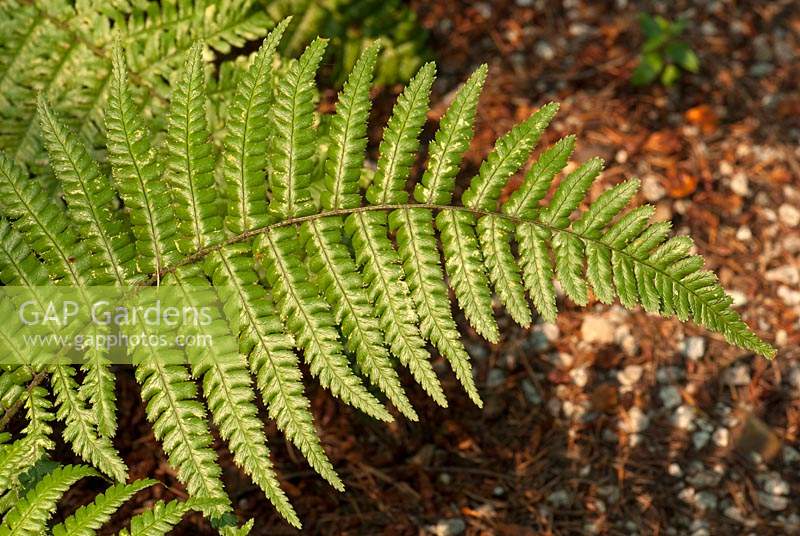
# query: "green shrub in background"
{"points": [[62, 49], [663, 54], [349, 24]]}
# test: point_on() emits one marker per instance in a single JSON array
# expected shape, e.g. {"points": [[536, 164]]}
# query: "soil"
{"points": [[581, 430]]}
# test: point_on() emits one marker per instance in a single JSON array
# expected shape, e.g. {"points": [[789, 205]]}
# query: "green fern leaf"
{"points": [[179, 422], [422, 266], [334, 272], [524, 202], [504, 272], [272, 359], [294, 135], [89, 198], [245, 155], [89, 518], [464, 264], [537, 269], [452, 139], [400, 139], [227, 389], [311, 322], [382, 274], [30, 515], [190, 162], [510, 153], [136, 176], [162, 517], [348, 132]]}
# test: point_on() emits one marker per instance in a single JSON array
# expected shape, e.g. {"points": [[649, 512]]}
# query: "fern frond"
{"points": [[80, 425], [88, 197], [334, 273], [294, 134], [19, 266], [464, 265], [510, 153], [244, 158], [524, 202], [537, 269], [311, 267], [452, 139], [136, 175], [89, 518], [162, 517], [30, 515], [190, 162], [348, 132], [266, 341], [382, 273], [179, 423], [422, 267], [495, 235], [400, 139], [311, 322], [226, 386], [44, 224]]}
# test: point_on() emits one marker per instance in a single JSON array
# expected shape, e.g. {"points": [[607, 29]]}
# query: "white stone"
{"points": [[554, 406], [794, 376], [668, 374], [743, 233], [683, 417], [781, 338], [636, 421], [776, 503], [775, 485], [786, 274], [580, 376], [652, 189], [733, 512], [629, 375], [674, 470], [558, 498], [448, 527], [561, 360], [544, 50], [705, 500], [790, 454], [739, 297], [736, 375], [550, 331], [789, 215], [687, 495], [694, 347], [721, 437], [700, 439], [670, 396], [740, 185], [597, 329], [789, 296]]}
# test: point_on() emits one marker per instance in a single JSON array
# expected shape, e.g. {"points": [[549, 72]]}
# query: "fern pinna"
{"points": [[351, 280]]}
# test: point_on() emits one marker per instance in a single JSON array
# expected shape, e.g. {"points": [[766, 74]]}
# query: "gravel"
{"points": [[531, 393], [694, 348], [629, 375], [736, 375], [789, 215], [670, 396], [448, 527], [597, 329]]}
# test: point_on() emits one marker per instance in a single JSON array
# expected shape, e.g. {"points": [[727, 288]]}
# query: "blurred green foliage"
{"points": [[664, 54], [350, 24]]}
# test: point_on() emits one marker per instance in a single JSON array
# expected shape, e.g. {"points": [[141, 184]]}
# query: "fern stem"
{"points": [[205, 251]]}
